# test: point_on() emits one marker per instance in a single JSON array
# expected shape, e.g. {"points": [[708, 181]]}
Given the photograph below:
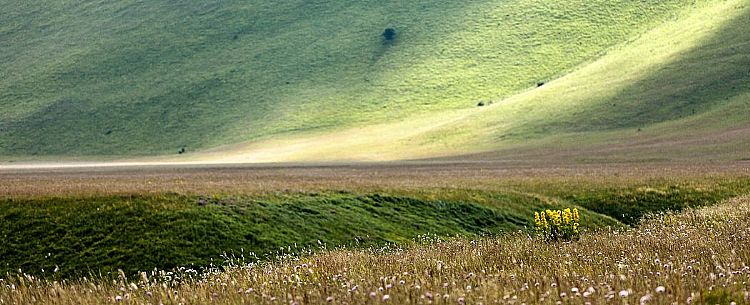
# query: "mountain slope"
{"points": [[149, 77], [679, 91]]}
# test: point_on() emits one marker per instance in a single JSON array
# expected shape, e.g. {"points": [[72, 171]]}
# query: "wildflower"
{"points": [[373, 294], [461, 301], [567, 216], [118, 298], [402, 282], [386, 298], [558, 224], [624, 293], [660, 289], [645, 299], [574, 290], [329, 299]]}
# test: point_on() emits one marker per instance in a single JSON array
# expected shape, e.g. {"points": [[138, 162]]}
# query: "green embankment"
{"points": [[140, 233], [134, 77], [100, 235]]}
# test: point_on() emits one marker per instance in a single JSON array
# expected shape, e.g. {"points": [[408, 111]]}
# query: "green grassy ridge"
{"points": [[630, 205], [629, 201], [132, 233], [136, 77]]}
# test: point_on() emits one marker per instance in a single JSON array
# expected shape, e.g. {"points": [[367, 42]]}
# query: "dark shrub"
{"points": [[389, 34]]}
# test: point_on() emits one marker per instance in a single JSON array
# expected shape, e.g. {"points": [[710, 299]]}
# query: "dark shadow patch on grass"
{"points": [[699, 80]]}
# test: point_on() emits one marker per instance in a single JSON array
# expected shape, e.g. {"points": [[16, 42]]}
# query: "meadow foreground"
{"points": [[698, 256]]}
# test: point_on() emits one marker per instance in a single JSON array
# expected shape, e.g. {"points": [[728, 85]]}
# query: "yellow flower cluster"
{"points": [[558, 224]]}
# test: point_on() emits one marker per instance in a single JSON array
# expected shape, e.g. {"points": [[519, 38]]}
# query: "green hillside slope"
{"points": [[149, 77], [680, 91]]}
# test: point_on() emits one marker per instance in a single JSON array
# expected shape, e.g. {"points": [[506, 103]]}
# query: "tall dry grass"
{"points": [[700, 256]]}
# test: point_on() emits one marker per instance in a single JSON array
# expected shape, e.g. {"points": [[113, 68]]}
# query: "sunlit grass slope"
{"points": [[688, 77], [149, 77], [678, 91]]}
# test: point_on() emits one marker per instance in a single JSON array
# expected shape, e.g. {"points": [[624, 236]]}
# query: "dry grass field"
{"points": [[696, 257], [419, 177]]}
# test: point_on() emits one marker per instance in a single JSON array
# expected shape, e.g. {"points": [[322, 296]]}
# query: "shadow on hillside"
{"points": [[699, 80]]}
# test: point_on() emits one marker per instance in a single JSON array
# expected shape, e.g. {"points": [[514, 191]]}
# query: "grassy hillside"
{"points": [[678, 91], [149, 77], [689, 74]]}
